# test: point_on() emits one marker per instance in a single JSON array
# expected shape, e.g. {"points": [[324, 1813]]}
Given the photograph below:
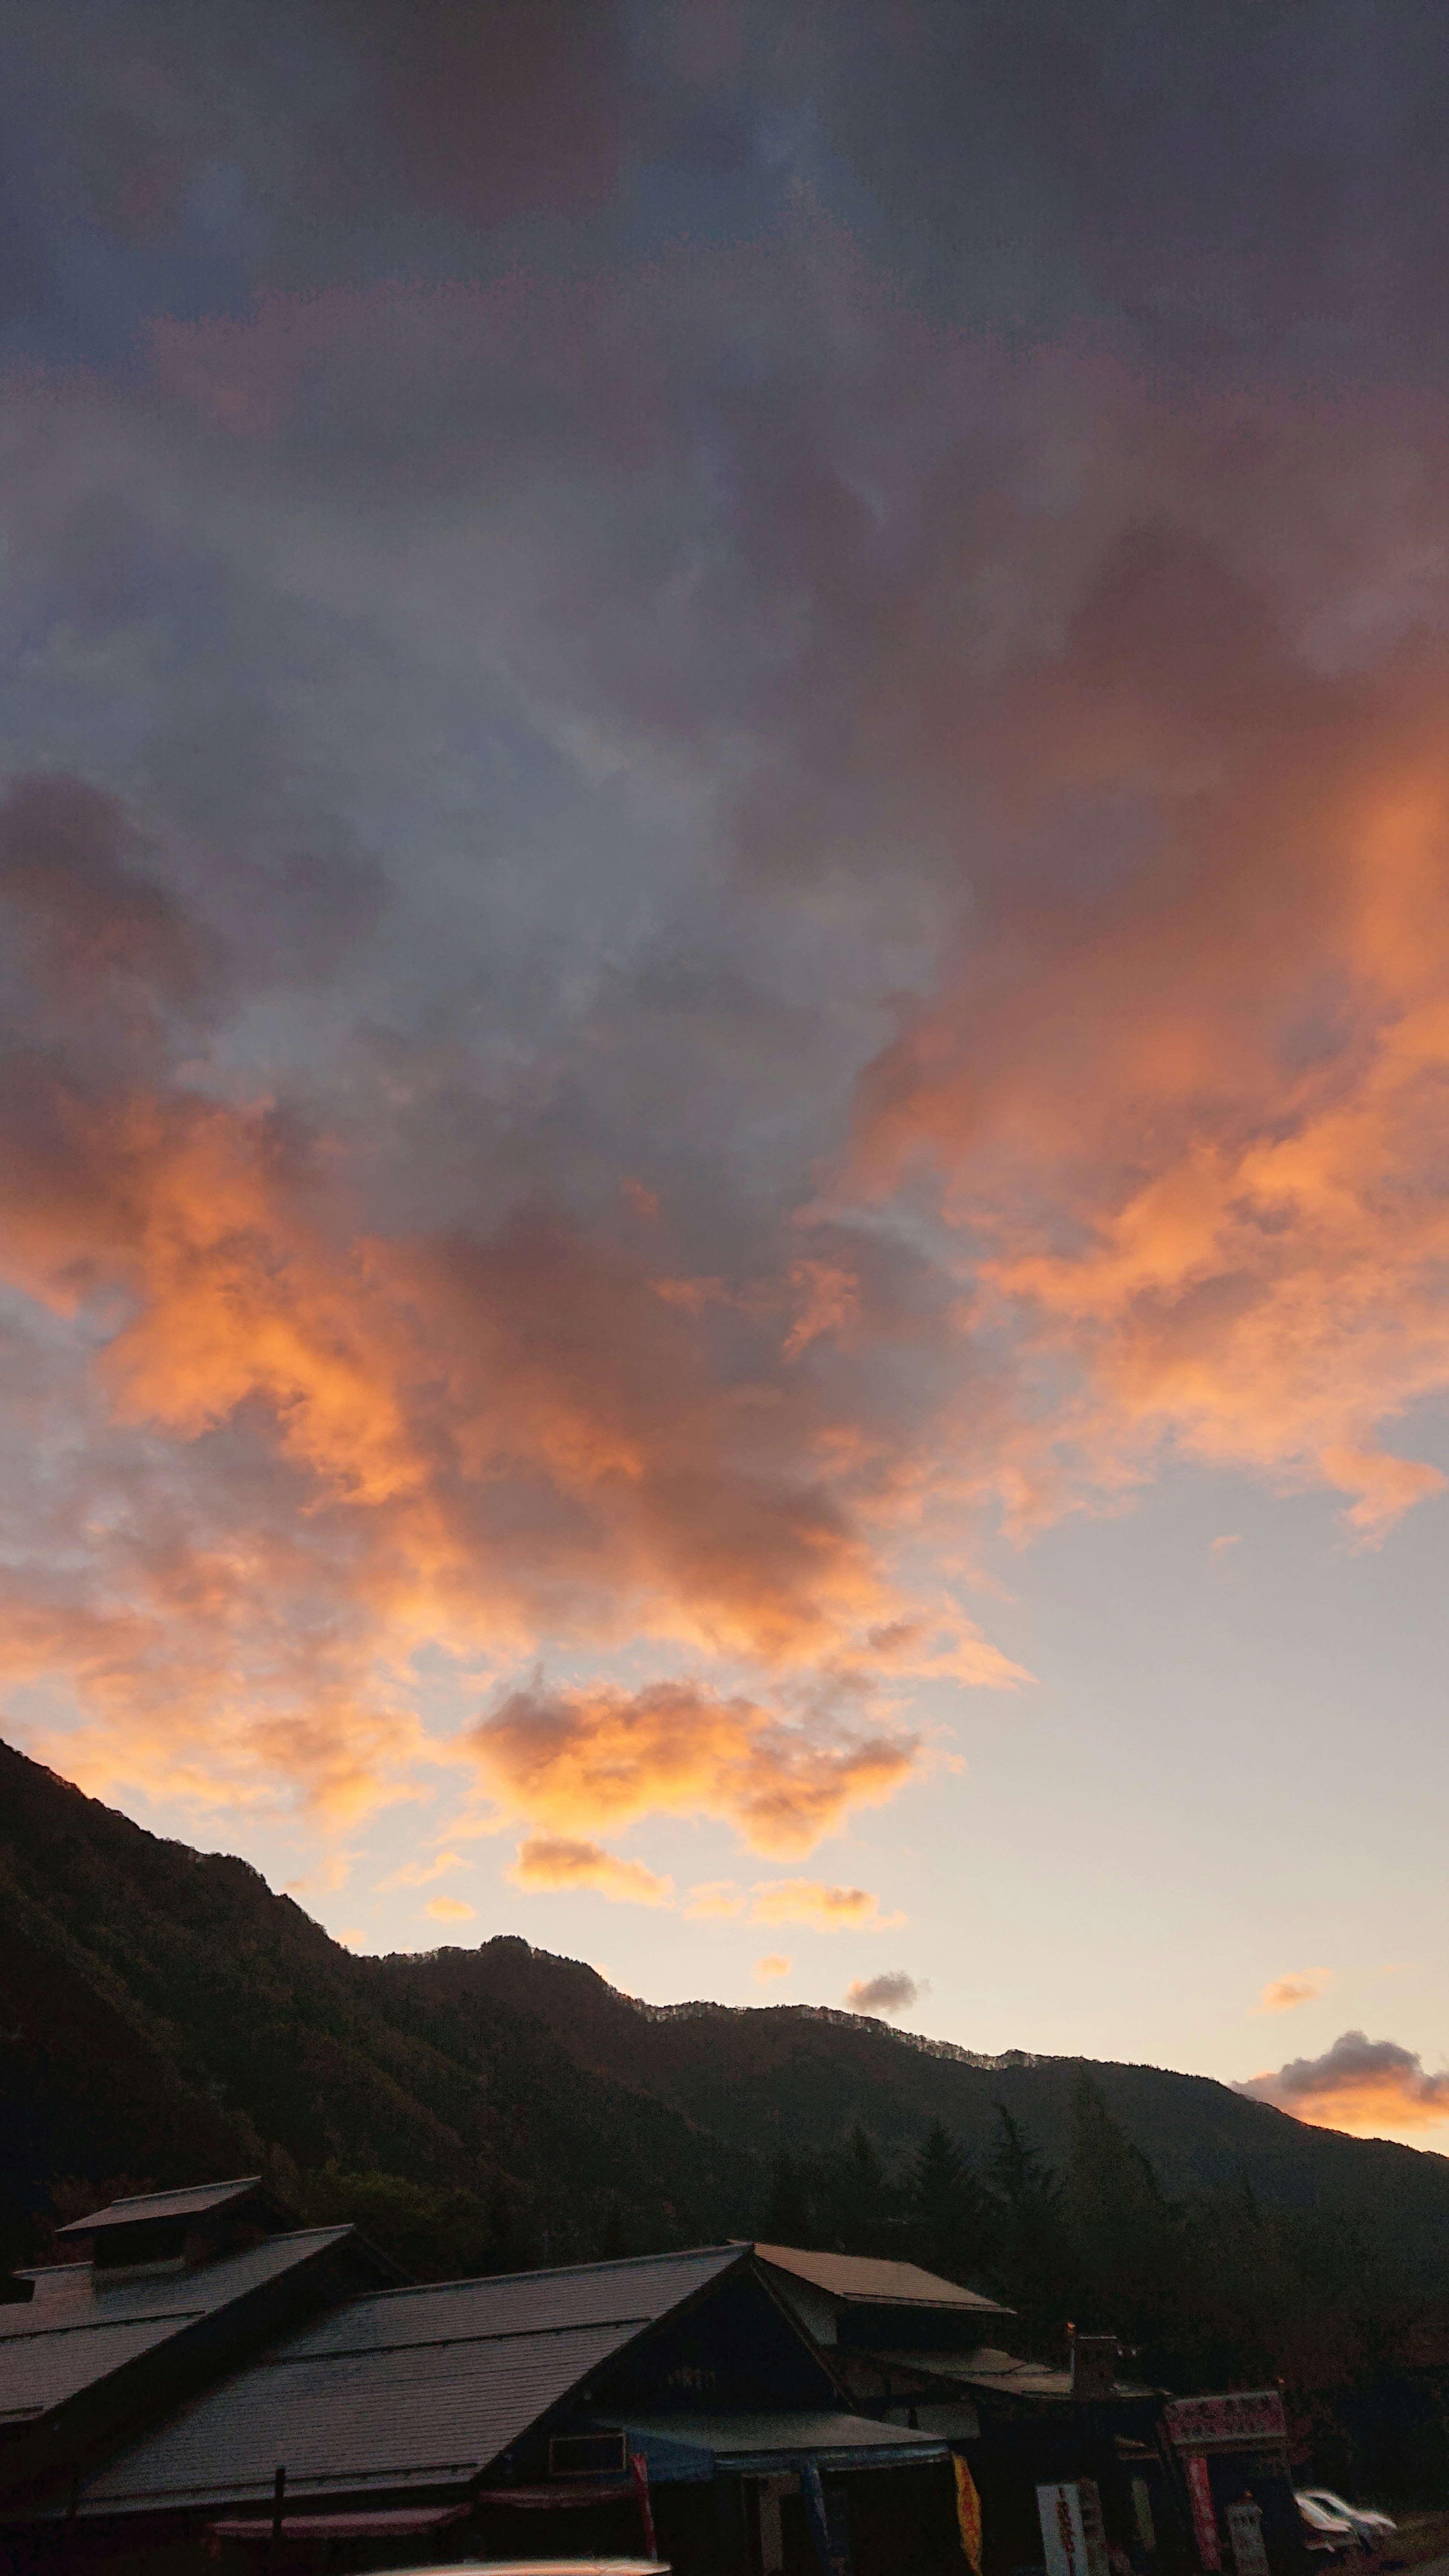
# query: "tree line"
{"points": [[1209, 2291]]}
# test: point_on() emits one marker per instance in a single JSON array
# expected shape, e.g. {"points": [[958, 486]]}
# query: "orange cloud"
{"points": [[1284, 1994], [418, 1873], [827, 1301], [1360, 2084], [829, 1909], [1190, 1125], [717, 1897], [375, 1443], [573, 1757], [550, 1861], [450, 1909], [774, 1964]]}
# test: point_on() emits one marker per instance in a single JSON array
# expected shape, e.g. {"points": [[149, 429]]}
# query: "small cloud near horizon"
{"points": [[1359, 2084], [829, 1909], [419, 1872], [450, 1909], [891, 1992], [774, 1964], [547, 1862], [1300, 1986]]}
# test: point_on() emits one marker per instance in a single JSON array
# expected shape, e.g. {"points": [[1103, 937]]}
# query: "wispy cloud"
{"points": [[550, 1861], [810, 1901], [450, 1909], [419, 1873], [828, 1909], [773, 1965], [1302, 1986]]}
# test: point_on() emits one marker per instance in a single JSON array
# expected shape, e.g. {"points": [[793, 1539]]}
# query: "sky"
{"points": [[724, 994]]}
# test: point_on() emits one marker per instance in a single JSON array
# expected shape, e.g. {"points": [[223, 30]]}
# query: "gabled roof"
{"points": [[147, 2206], [403, 2388], [865, 2279], [79, 2328]]}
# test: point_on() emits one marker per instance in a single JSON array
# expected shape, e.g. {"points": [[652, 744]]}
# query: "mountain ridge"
{"points": [[174, 2019]]}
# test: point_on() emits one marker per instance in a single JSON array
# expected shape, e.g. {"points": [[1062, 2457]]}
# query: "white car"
{"points": [[1374, 2530], [1321, 2528]]}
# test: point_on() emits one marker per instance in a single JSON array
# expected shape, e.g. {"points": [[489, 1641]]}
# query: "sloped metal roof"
{"points": [[876, 2282], [785, 2435], [193, 2202], [78, 2327], [1000, 2372], [403, 2388]]}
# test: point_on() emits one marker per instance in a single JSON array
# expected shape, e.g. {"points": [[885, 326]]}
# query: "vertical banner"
{"points": [[1074, 2538], [968, 2513], [1245, 2534], [639, 2472], [1204, 2520], [1142, 2516]]}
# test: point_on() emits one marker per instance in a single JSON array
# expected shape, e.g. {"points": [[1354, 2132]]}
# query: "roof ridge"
{"points": [[554, 2271]]}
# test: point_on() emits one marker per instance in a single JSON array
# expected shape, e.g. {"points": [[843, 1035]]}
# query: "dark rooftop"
{"points": [[406, 2387], [866, 2278], [80, 2327], [148, 2207], [1000, 2373]]}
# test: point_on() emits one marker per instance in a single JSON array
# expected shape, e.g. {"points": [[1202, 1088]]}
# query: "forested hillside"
{"points": [[166, 2017]]}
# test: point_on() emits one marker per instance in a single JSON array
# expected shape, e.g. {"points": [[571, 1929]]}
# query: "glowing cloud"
{"points": [[827, 1909], [1284, 1994], [420, 1873], [549, 1861], [1360, 2084], [450, 1909], [718, 1897], [944, 1008], [606, 1756], [773, 1965]]}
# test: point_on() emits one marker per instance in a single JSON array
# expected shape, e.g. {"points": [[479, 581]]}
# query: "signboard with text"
{"points": [[1208, 2423], [1245, 2534], [1074, 2538]]}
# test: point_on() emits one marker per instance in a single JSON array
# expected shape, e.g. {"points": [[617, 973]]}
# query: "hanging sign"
{"points": [[1073, 2535]]}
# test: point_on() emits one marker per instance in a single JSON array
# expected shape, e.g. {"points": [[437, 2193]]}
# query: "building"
{"points": [[165, 2292], [907, 2347], [672, 2401]]}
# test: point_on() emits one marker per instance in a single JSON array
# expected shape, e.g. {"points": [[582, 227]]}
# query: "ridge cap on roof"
{"points": [[231, 2254], [550, 2271], [114, 2212]]}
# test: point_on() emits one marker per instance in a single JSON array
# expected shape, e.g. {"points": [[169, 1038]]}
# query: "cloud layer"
{"points": [[1367, 2085], [721, 854]]}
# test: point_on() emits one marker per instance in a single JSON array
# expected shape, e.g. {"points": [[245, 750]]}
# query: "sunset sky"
{"points": [[724, 1073]]}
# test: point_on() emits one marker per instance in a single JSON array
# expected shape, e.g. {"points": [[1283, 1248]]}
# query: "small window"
{"points": [[586, 2455]]}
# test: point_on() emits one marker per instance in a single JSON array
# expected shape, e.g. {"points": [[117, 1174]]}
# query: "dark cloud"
{"points": [[891, 1992], [69, 869]]}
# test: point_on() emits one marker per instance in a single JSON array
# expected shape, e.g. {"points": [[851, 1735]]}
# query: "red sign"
{"points": [[1248, 2415], [1204, 2520]]}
